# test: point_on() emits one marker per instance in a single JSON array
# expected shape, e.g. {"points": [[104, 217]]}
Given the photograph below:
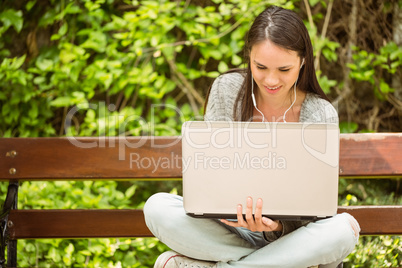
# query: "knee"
{"points": [[160, 206], [159, 210], [348, 234], [355, 227], [153, 206], [341, 232], [346, 231]]}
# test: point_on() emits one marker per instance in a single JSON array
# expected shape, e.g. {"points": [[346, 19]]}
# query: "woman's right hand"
{"points": [[256, 223]]}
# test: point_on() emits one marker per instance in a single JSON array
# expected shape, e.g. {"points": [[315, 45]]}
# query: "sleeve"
{"points": [[215, 109], [287, 227], [329, 114], [318, 110], [222, 97]]}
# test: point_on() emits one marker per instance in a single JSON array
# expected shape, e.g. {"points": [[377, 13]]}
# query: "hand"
{"points": [[258, 223]]}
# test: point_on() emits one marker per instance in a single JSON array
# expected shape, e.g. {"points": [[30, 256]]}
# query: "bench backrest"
{"points": [[361, 155], [29, 159]]}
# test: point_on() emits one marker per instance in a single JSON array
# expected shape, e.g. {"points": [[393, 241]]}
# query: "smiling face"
{"points": [[275, 71]]}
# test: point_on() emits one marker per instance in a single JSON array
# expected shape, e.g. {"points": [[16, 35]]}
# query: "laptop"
{"points": [[293, 167]]}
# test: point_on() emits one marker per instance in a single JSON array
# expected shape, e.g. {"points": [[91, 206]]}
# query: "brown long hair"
{"points": [[285, 29]]}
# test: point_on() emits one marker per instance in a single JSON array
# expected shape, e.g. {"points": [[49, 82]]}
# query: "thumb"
{"points": [[266, 221], [273, 225]]}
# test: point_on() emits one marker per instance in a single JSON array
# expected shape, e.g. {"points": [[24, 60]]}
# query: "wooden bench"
{"points": [[110, 158]]}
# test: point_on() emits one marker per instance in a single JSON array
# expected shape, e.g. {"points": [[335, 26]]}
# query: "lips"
{"points": [[272, 89]]}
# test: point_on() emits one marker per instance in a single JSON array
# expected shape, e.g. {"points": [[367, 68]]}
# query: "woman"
{"points": [[279, 85]]}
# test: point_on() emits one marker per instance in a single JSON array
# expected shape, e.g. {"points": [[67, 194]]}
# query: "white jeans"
{"points": [[326, 242]]}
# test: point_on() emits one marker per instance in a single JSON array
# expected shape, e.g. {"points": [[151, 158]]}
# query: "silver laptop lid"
{"points": [[293, 167]]}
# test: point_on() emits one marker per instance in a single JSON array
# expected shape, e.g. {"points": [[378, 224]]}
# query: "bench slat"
{"points": [[77, 223], [60, 159], [83, 223], [361, 155], [377, 220], [371, 155]]}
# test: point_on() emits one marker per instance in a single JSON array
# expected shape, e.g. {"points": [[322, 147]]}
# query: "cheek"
{"points": [[257, 75], [290, 78], [253, 71]]}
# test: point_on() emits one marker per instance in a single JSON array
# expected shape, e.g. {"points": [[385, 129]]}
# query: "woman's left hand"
{"points": [[258, 223]]}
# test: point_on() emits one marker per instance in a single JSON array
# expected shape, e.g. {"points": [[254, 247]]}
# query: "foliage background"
{"points": [[143, 67]]}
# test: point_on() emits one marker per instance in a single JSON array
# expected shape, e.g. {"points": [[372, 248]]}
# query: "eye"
{"points": [[261, 67], [284, 70]]}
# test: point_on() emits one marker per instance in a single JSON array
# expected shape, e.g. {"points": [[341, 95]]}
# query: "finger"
{"points": [[240, 218], [272, 225], [249, 209], [258, 212], [249, 214], [259, 225], [268, 222], [230, 223]]}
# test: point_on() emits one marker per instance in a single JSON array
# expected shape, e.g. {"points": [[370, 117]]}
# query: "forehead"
{"points": [[268, 53]]}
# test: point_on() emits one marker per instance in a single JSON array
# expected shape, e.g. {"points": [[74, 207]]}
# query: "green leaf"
{"points": [[222, 67], [96, 41], [186, 109], [217, 55], [348, 127], [352, 66], [213, 74], [44, 64], [55, 37], [124, 247], [8, 133], [63, 29], [80, 258], [17, 62], [129, 259], [54, 255], [236, 60], [6, 109], [237, 34], [61, 102], [105, 78], [33, 112], [30, 248], [72, 8], [11, 17], [130, 191], [29, 5], [48, 18], [69, 249], [395, 65], [385, 88]]}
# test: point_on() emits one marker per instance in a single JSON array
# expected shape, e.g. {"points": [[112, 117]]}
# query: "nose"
{"points": [[271, 79]]}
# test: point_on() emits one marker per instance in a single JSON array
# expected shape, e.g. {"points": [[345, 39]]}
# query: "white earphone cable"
{"points": [[252, 96], [284, 114]]}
